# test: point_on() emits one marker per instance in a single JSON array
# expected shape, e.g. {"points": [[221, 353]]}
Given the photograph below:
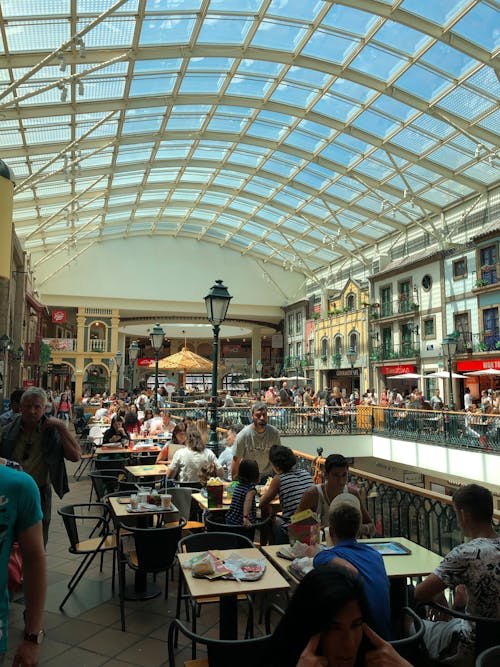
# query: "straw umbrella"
{"points": [[184, 361]]}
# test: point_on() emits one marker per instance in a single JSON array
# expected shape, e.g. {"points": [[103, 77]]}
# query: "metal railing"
{"points": [[403, 510], [395, 351]]}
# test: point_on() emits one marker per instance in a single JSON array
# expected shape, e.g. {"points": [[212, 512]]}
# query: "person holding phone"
{"points": [[327, 624]]}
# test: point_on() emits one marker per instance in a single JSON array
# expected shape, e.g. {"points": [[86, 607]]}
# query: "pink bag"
{"points": [[15, 570]]}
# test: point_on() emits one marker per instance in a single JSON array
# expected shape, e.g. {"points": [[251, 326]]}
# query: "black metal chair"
{"points": [[99, 517], [204, 542], [247, 531], [105, 482], [487, 629], [182, 498], [241, 652], [154, 550], [193, 484], [409, 647], [489, 658]]}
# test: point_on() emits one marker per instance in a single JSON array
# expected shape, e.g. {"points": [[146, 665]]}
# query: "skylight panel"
{"points": [[99, 6], [98, 89], [295, 9], [152, 85], [39, 34], [245, 207], [128, 178], [298, 96], [202, 83], [142, 124], [491, 122], [229, 180], [423, 83], [373, 168], [265, 130], [312, 180], [465, 103], [279, 167], [455, 188], [342, 192], [328, 46], [340, 155], [259, 189], [288, 199], [392, 107], [446, 58], [48, 134], [10, 138], [375, 123], [214, 198], [223, 29], [214, 153], [167, 29], [482, 171], [378, 62], [486, 80], [133, 155], [432, 125], [185, 122], [309, 77], [115, 200], [221, 123], [315, 210], [303, 140], [440, 197], [105, 130], [438, 12], [448, 156], [249, 86], [212, 65], [415, 141], [335, 107], [480, 25], [400, 37], [246, 158], [272, 34], [265, 68]]}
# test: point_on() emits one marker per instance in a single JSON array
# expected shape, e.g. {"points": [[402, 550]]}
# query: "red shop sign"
{"points": [[59, 316], [144, 361], [478, 365], [397, 370]]}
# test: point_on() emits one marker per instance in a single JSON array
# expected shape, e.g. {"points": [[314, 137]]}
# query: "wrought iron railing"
{"points": [[403, 510]]}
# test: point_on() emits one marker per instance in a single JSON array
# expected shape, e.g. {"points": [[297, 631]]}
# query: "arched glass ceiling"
{"points": [[298, 132]]}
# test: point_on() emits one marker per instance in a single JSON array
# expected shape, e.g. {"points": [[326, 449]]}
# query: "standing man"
{"points": [[285, 394], [40, 444], [473, 566], [21, 520], [436, 401], [255, 441]]}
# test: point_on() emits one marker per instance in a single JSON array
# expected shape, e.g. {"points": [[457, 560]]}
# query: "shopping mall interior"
{"points": [[334, 164]]}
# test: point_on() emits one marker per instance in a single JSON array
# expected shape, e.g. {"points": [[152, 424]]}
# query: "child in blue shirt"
{"points": [[243, 509]]}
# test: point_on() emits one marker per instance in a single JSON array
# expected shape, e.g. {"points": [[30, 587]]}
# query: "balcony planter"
{"points": [[336, 358], [315, 316], [414, 306], [481, 283]]}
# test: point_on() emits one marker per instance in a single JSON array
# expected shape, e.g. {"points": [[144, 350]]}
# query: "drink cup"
{"points": [[134, 501], [143, 497], [166, 500]]}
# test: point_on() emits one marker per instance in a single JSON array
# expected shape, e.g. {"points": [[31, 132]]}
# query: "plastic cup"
{"points": [[166, 500], [134, 501]]}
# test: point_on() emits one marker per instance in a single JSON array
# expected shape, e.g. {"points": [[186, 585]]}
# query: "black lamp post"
{"points": [[133, 351], [449, 346], [258, 368], [217, 303], [118, 362], [156, 336], [352, 356], [5, 344]]}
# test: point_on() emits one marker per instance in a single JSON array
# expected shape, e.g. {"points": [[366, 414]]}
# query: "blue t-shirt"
{"points": [[370, 565], [19, 510], [235, 515]]}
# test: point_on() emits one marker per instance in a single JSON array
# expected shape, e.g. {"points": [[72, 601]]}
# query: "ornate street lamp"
{"points": [[19, 353], [217, 303], [352, 355], [156, 336], [118, 361], [258, 368], [133, 351], [449, 346]]}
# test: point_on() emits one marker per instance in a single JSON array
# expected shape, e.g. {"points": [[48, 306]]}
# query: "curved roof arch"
{"points": [[298, 133]]}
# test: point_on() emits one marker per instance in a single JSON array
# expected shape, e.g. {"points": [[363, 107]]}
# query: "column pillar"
{"points": [[256, 349], [7, 202]]}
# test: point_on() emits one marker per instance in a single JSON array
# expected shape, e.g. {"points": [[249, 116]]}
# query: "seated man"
{"points": [[476, 566], [345, 521], [319, 496]]}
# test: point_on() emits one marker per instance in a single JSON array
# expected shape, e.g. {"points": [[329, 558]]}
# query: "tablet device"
{"points": [[389, 548]]}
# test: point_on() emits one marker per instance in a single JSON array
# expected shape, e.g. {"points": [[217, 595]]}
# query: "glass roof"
{"points": [[299, 133]]}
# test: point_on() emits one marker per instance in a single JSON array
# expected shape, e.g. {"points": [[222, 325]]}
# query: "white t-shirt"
{"points": [[252, 445], [188, 463]]}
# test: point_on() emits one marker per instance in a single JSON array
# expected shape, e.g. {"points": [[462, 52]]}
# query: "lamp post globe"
{"points": [[216, 302]]}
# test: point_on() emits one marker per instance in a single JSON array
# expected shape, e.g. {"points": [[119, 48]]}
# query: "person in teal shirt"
{"points": [[21, 520]]}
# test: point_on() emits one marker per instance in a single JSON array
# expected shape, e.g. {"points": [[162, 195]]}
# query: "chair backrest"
{"points": [[156, 547], [182, 498], [143, 459], [205, 541], [489, 658], [113, 462], [96, 513], [193, 484], [408, 647], [487, 629], [212, 526], [105, 481]]}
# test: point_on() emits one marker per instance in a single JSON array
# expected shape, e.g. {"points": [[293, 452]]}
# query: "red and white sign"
{"points": [[398, 370], [28, 383], [145, 361], [478, 365], [59, 316]]}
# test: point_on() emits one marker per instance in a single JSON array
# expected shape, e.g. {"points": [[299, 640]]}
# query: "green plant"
{"points": [[414, 306], [315, 316], [481, 283], [497, 345], [375, 356]]}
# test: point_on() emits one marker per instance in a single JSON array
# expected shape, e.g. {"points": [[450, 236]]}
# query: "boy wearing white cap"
{"points": [[345, 522]]}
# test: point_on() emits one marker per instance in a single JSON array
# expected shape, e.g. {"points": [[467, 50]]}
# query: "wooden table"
{"points": [[228, 591], [420, 562], [119, 509], [101, 451], [147, 471], [226, 502]]}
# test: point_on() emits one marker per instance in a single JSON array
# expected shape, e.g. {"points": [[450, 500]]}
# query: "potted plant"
{"points": [[315, 316], [481, 283], [414, 305]]}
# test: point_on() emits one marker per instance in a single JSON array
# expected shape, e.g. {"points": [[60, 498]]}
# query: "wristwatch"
{"points": [[34, 638]]}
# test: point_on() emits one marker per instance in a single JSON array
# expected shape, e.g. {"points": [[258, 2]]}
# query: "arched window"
{"points": [[338, 346], [353, 341], [324, 347], [351, 302]]}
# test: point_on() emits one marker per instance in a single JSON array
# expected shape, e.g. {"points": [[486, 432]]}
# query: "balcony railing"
{"points": [[397, 306], [440, 427], [97, 345], [395, 351], [60, 344], [486, 341], [488, 275]]}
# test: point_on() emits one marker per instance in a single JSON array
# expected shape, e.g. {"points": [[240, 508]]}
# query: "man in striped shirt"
{"points": [[289, 483]]}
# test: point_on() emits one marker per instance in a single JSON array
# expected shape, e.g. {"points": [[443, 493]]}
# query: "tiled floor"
{"points": [[87, 633]]}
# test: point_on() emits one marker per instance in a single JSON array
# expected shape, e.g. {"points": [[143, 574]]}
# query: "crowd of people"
{"points": [[340, 613]]}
